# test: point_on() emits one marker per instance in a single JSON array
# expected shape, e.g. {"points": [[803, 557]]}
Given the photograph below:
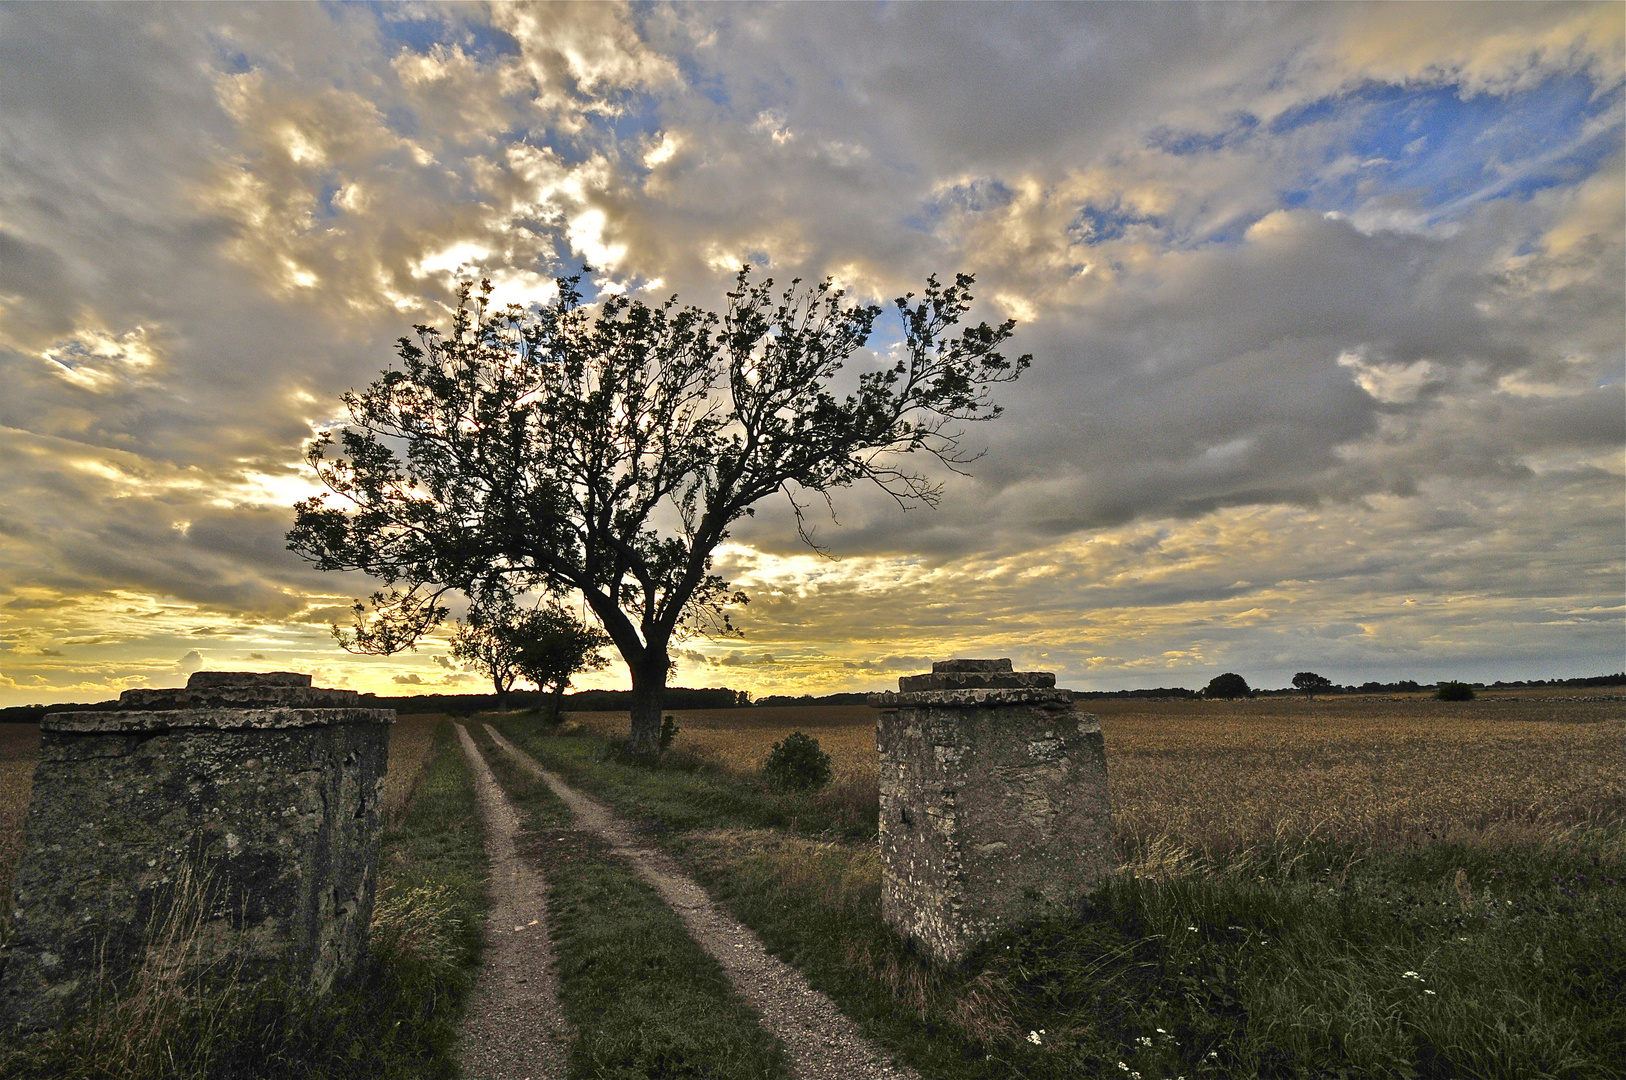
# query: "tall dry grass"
{"points": [[19, 752], [1220, 777], [412, 745]]}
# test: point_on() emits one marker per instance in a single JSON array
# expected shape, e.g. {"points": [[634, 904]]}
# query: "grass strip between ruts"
{"points": [[642, 996], [396, 1017], [1303, 959]]}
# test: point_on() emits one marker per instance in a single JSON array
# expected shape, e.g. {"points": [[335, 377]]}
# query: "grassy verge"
{"points": [[687, 793], [644, 999], [1288, 959], [396, 1017]]}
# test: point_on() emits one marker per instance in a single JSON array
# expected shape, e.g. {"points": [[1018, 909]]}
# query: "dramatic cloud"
{"points": [[1326, 304]]}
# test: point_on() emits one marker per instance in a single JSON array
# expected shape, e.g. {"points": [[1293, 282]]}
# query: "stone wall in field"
{"points": [[994, 806], [226, 830]]}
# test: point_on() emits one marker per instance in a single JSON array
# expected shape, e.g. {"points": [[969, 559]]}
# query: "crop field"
{"points": [[19, 749], [412, 745], [1195, 777]]}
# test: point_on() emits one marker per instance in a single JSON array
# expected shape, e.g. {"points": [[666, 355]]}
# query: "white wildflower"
{"points": [[1033, 1037], [1430, 992]]}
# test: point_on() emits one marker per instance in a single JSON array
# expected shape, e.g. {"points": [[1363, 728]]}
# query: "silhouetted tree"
{"points": [[1229, 685], [554, 646], [488, 640], [1309, 683], [564, 451]]}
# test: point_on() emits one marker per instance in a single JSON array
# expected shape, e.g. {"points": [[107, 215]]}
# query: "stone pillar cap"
{"points": [[974, 684], [941, 666], [209, 680]]}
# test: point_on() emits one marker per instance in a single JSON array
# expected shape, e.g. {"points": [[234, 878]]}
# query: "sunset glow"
{"points": [[1326, 302]]}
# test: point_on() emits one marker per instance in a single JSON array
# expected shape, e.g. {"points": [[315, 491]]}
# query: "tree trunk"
{"points": [[502, 692], [648, 693], [558, 699]]}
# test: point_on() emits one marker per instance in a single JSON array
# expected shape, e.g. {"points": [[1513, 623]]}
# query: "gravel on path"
{"points": [[823, 1044], [514, 1029]]}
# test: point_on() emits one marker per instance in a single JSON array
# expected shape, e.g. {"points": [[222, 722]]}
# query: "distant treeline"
{"points": [[809, 699], [720, 697], [677, 697]]}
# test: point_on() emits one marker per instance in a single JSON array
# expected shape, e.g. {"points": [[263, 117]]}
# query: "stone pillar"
{"points": [[249, 799], [994, 806]]}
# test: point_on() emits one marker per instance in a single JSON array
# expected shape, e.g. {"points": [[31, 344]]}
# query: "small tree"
{"points": [[554, 645], [1309, 683], [490, 641], [797, 763], [1452, 690], [1229, 685], [544, 645], [608, 454]]}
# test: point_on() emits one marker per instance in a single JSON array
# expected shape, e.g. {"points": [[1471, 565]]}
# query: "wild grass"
{"points": [[1371, 887], [412, 745], [689, 792], [19, 751], [643, 998], [394, 1017]]}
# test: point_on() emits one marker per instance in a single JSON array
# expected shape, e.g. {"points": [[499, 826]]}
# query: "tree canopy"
{"points": [[1229, 685], [545, 645], [607, 452], [1310, 684]]}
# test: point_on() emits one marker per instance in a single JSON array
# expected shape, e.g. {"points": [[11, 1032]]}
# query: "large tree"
{"points": [[607, 452]]}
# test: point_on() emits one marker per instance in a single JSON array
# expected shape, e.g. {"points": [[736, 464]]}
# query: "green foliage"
{"points": [[1229, 685], [1298, 962], [687, 794], [396, 1017], [797, 763], [669, 732], [1454, 691], [559, 451], [545, 645], [1287, 961]]}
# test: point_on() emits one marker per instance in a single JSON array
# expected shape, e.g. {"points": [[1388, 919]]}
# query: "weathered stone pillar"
{"points": [[994, 805], [249, 800]]}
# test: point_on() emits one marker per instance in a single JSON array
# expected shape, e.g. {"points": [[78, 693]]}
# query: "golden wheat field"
{"points": [[1218, 776], [19, 749], [412, 740]]}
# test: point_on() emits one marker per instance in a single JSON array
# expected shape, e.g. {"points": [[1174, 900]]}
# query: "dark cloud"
{"points": [[1240, 308]]}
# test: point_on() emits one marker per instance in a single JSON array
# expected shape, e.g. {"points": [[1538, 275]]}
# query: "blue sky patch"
{"points": [[1442, 154]]}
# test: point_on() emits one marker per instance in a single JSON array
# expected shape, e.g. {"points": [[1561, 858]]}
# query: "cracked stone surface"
{"points": [[994, 803], [260, 822]]}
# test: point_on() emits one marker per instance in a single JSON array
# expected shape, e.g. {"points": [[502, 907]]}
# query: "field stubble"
{"points": [[1200, 778]]}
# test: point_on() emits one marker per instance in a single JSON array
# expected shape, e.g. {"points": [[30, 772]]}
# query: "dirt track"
{"points": [[820, 1041], [514, 1029]]}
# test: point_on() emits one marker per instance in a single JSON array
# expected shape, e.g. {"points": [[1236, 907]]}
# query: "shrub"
{"points": [[797, 764], [1229, 685], [669, 732], [1454, 691]]}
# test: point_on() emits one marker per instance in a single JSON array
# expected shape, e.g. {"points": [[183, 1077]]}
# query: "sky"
{"points": [[1326, 304]]}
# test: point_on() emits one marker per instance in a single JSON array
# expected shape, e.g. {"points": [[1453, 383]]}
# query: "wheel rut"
{"points": [[822, 1043], [514, 1029]]}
